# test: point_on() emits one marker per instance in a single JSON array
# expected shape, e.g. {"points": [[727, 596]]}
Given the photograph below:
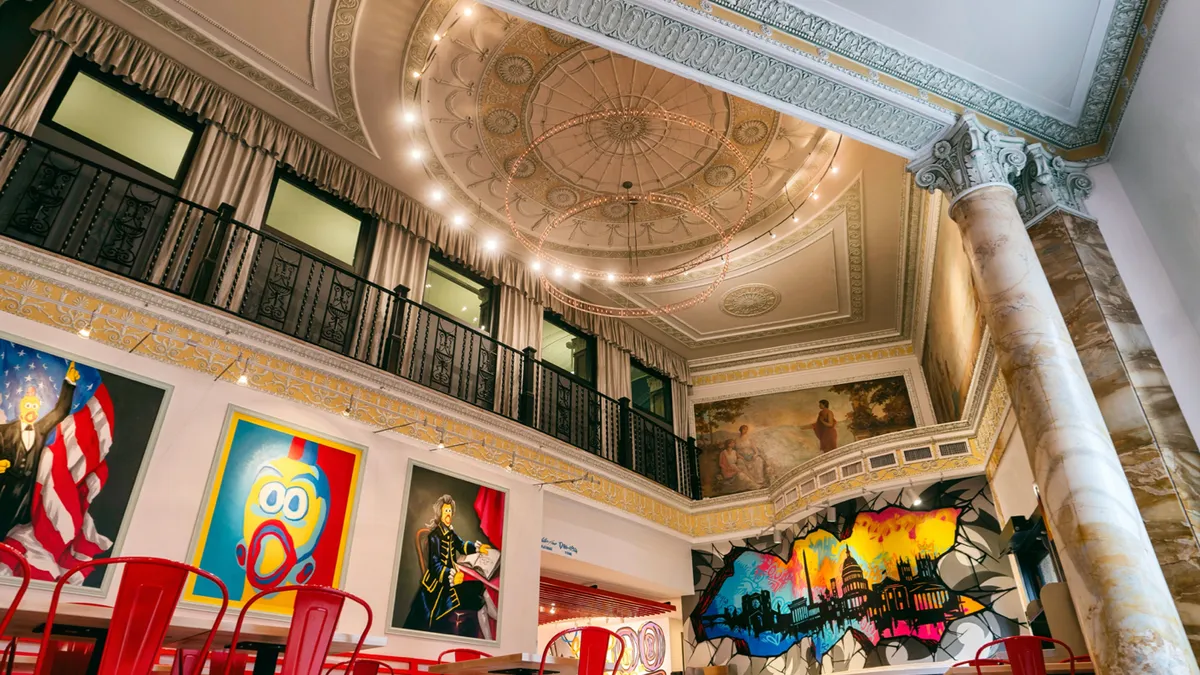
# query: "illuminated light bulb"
{"points": [[772, 234], [416, 74], [815, 196], [795, 218], [490, 244], [468, 11], [552, 609], [612, 277], [436, 195], [475, 319], [649, 279], [537, 265], [437, 38], [464, 308], [86, 331], [346, 412], [415, 153], [833, 170], [558, 271], [243, 380], [575, 276], [459, 219], [409, 117]]}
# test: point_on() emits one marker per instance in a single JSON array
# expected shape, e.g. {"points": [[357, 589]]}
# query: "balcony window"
{"points": [[317, 222], [105, 114], [456, 292], [568, 349], [651, 392]]}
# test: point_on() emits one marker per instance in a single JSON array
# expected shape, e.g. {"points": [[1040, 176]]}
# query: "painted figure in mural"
{"points": [[731, 473], [21, 444], [752, 461], [826, 427], [444, 590], [285, 514]]}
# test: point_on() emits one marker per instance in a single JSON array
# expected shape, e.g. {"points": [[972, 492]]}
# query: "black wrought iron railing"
{"points": [[63, 203]]}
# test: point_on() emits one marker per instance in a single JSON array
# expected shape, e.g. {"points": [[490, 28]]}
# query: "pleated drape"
{"points": [[520, 320], [225, 170], [612, 370], [399, 258], [682, 415], [26, 96]]}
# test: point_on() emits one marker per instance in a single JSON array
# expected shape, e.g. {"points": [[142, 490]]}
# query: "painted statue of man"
{"points": [[443, 589], [21, 444]]}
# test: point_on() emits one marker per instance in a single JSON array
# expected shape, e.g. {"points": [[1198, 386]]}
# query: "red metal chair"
{"points": [[7, 552], [593, 649], [362, 667], [315, 614], [1084, 658], [978, 663], [462, 655], [218, 662], [1024, 653], [146, 601]]}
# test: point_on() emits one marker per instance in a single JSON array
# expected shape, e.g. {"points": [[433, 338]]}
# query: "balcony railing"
{"points": [[63, 203]]}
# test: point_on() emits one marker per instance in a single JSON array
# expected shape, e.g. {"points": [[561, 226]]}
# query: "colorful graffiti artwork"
{"points": [[645, 649], [280, 505], [874, 573]]}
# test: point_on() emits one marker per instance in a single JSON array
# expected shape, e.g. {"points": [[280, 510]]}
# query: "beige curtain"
{"points": [[623, 335], [398, 258], [612, 370], [26, 95], [681, 410], [520, 323]]}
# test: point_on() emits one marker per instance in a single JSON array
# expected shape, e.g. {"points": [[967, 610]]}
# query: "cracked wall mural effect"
{"points": [[897, 577]]}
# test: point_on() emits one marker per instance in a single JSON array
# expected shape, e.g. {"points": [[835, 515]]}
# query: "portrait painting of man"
{"points": [[62, 419], [449, 567]]}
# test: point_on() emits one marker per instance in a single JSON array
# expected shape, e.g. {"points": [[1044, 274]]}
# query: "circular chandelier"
{"points": [[718, 251]]}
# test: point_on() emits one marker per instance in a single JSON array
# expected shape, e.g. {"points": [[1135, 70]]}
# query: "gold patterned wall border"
{"points": [[344, 120], [800, 365]]}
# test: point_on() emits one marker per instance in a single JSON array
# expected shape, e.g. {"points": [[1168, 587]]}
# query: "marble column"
{"points": [[1124, 606], [1151, 437]]}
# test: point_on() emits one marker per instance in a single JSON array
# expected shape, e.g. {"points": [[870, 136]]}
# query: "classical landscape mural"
{"points": [[896, 578], [76, 437], [955, 326], [744, 442]]}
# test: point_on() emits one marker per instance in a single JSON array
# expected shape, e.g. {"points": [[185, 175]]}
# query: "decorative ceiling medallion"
{"points": [[562, 197], [524, 170], [514, 69], [750, 300], [720, 175], [750, 132], [500, 121], [561, 39]]}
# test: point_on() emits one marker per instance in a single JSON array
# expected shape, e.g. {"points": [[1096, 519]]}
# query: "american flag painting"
{"points": [[61, 439]]}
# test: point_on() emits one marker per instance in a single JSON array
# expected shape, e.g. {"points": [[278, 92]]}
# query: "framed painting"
{"points": [[279, 511], [745, 442], [449, 562], [80, 436]]}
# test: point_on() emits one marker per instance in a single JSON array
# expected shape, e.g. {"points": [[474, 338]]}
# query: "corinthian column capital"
{"points": [[1050, 183], [968, 157]]}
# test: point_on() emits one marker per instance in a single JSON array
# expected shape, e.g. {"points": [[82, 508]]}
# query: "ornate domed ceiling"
{"points": [[495, 84]]}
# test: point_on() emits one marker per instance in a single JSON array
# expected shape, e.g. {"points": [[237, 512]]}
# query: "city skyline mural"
{"points": [[895, 578]]}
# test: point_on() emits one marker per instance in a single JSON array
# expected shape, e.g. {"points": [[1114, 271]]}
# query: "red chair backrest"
{"points": [[146, 601], [186, 660], [315, 614], [977, 663], [14, 559], [461, 654], [1024, 653], [361, 667], [593, 649]]}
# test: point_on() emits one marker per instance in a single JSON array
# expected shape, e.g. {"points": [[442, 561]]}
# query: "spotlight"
{"points": [[437, 38], [612, 277], [815, 196], [512, 462], [916, 501], [410, 117], [349, 409], [776, 536], [575, 276], [795, 218], [649, 279], [558, 271], [468, 11], [772, 233], [833, 170], [537, 265], [415, 153], [243, 380], [459, 219], [436, 195], [416, 74], [86, 331], [441, 446], [490, 244]]}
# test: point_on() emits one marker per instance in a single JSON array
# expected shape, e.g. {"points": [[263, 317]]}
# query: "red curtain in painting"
{"points": [[489, 506]]}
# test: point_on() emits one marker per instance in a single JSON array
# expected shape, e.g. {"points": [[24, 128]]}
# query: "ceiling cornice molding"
{"points": [[732, 58], [343, 119], [777, 54]]}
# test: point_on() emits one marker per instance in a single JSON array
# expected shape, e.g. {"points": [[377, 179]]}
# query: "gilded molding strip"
{"points": [[815, 363]]}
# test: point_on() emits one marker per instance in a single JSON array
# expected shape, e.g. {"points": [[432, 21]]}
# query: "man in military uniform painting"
{"points": [[444, 595]]}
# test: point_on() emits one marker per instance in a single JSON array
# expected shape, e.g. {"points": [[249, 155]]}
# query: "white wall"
{"points": [[1130, 239], [1012, 484], [1157, 151], [615, 549], [165, 513]]}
